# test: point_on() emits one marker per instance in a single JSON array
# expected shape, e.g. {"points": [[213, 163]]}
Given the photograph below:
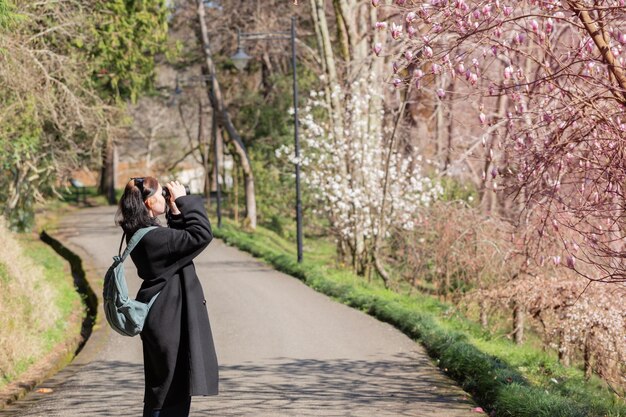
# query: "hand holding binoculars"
{"points": [[166, 192]]}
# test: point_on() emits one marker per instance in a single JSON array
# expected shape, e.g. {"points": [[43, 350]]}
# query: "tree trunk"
{"points": [[444, 290], [376, 69], [328, 58], [381, 270], [354, 19], [107, 171], [217, 176], [236, 192], [318, 34], [615, 69], [327, 49], [204, 148], [267, 71], [448, 158], [518, 322], [484, 318], [15, 190], [342, 32], [440, 129], [564, 357], [217, 101], [587, 358]]}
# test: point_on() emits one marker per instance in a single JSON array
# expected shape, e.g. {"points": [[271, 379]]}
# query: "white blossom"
{"points": [[345, 169]]}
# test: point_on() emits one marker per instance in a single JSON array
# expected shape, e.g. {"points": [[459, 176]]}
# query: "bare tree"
{"points": [[215, 95]]}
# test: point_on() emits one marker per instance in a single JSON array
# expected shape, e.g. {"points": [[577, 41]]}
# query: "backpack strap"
{"points": [[139, 234], [119, 251]]}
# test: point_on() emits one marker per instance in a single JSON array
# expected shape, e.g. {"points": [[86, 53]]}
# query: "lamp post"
{"points": [[240, 60], [217, 171], [204, 79]]}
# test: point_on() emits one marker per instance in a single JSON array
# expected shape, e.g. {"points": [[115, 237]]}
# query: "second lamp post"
{"points": [[240, 59]]}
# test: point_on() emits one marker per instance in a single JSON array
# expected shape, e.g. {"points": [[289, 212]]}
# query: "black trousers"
{"points": [[176, 410]]}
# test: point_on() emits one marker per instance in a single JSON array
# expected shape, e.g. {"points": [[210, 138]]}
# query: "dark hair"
{"points": [[132, 213]]}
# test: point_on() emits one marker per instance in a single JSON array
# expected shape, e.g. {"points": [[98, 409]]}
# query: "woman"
{"points": [[178, 351]]}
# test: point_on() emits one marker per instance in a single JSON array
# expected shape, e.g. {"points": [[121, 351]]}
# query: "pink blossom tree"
{"points": [[546, 80]]}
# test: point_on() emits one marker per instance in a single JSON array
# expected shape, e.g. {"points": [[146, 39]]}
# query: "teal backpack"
{"points": [[125, 315]]}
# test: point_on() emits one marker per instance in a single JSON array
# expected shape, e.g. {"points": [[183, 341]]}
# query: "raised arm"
{"points": [[191, 232]]}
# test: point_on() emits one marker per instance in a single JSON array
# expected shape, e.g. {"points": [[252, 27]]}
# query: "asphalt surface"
{"points": [[283, 349]]}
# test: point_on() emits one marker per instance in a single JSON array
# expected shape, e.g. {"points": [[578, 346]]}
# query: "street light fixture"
{"points": [[240, 60]]}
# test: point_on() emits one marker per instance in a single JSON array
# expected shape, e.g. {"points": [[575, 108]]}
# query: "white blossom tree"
{"points": [[363, 184]]}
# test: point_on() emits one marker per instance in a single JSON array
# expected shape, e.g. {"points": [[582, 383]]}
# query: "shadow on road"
{"points": [[101, 388], [305, 387], [280, 386]]}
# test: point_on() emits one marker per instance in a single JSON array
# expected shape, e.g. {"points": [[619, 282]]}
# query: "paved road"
{"points": [[284, 350]]}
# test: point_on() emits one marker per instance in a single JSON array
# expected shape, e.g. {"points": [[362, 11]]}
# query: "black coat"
{"points": [[178, 350]]}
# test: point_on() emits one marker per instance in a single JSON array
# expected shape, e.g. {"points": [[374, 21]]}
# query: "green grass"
{"points": [[4, 274], [67, 301], [57, 274], [505, 378]]}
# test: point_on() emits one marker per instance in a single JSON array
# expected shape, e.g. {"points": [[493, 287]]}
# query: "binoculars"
{"points": [[166, 192]]}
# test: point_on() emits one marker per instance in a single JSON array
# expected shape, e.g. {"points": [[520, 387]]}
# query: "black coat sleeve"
{"points": [[191, 232], [175, 221]]}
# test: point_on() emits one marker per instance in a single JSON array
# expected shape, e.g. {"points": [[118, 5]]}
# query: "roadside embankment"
{"points": [[47, 310]]}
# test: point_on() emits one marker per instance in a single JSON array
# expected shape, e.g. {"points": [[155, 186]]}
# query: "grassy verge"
{"points": [[505, 379], [57, 275], [38, 290]]}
